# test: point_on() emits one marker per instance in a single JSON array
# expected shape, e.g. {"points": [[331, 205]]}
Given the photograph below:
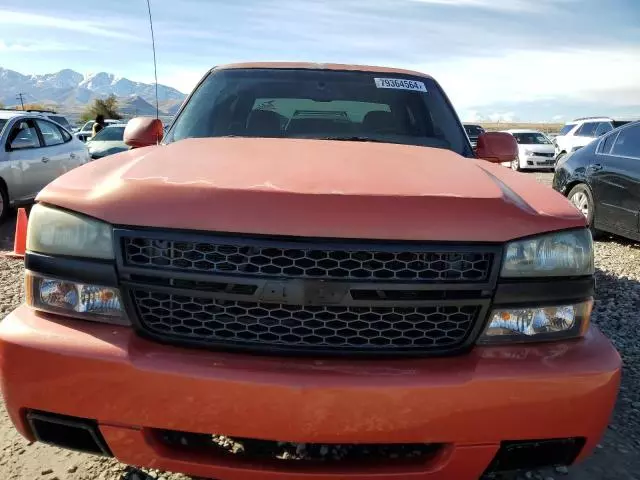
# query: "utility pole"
{"points": [[19, 97]]}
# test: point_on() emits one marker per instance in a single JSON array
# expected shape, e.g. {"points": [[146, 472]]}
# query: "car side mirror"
{"points": [[22, 143], [143, 132], [497, 147]]}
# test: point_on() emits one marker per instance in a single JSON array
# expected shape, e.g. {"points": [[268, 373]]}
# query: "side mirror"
{"points": [[497, 147], [143, 132]]}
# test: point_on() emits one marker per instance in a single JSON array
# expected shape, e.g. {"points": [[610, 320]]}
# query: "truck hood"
{"points": [[313, 188]]}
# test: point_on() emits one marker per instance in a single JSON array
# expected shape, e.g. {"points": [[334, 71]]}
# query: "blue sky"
{"points": [[497, 59]]}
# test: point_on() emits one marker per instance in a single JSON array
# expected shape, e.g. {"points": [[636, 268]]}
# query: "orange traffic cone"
{"points": [[20, 240]]}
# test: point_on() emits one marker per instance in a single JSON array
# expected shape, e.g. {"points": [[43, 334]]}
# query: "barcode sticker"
{"points": [[400, 84]]}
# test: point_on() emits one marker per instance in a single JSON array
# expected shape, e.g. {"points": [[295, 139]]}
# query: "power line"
{"points": [[19, 97]]}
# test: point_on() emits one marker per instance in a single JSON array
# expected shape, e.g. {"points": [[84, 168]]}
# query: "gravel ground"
{"points": [[617, 313]]}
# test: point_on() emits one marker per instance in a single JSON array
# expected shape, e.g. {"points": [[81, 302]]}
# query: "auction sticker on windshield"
{"points": [[400, 84]]}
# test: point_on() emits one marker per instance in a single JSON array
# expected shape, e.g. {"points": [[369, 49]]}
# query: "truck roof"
{"points": [[318, 66]]}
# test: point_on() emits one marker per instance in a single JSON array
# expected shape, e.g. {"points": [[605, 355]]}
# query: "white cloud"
{"points": [[13, 18], [557, 117], [503, 5], [471, 116], [526, 76], [502, 116], [41, 47], [178, 77]]}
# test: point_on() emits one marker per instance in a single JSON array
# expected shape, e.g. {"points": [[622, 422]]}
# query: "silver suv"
{"points": [[581, 131], [33, 151]]}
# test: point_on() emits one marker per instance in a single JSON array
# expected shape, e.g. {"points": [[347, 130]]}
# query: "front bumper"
{"points": [[535, 162], [472, 402]]}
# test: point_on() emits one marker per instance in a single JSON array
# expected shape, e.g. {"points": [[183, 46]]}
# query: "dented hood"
{"points": [[313, 188]]}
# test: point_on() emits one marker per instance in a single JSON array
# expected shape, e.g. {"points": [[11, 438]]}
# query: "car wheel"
{"points": [[515, 165], [580, 196], [4, 203]]}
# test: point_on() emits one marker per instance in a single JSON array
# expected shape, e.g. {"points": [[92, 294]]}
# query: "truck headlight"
{"points": [[74, 299], [58, 232], [538, 323], [562, 254]]}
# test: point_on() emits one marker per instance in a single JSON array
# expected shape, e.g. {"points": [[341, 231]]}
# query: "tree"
{"points": [[107, 107]]}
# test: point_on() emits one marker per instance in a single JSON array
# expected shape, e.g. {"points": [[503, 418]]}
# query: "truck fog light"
{"points": [[80, 300], [538, 323]]}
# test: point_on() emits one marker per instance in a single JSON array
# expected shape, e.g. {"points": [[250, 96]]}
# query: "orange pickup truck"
{"points": [[313, 275]]}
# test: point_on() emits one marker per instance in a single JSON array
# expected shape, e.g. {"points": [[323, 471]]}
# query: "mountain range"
{"points": [[69, 91]]}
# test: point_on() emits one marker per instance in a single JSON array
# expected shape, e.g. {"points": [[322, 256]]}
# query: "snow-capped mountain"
{"points": [[70, 88], [63, 79], [106, 84]]}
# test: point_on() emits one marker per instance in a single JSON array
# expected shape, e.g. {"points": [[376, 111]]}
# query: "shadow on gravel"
{"points": [[8, 228], [625, 242], [7, 231]]}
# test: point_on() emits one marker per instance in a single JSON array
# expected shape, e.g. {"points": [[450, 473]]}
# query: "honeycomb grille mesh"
{"points": [[351, 328], [307, 262]]}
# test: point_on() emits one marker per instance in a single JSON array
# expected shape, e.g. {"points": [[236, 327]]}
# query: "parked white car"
{"points": [[582, 131], [34, 151], [86, 130], [535, 150], [108, 141]]}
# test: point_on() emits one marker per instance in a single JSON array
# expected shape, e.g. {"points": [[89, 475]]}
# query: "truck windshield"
{"points": [[321, 104]]}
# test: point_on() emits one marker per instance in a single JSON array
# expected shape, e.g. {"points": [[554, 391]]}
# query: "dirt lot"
{"points": [[617, 313]]}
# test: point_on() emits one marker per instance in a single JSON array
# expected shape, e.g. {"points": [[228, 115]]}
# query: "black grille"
{"points": [[218, 322], [252, 450], [302, 261], [541, 154]]}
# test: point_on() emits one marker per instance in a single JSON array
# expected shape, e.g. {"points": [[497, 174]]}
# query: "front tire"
{"points": [[515, 165], [581, 197]]}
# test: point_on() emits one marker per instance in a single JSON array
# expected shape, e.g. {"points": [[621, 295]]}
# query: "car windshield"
{"points": [[473, 130], [109, 134], [321, 104], [567, 128], [531, 139], [619, 123]]}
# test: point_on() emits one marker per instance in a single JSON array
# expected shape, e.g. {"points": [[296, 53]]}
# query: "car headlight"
{"points": [[73, 299], [562, 254], [528, 152], [57, 232], [538, 323]]}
